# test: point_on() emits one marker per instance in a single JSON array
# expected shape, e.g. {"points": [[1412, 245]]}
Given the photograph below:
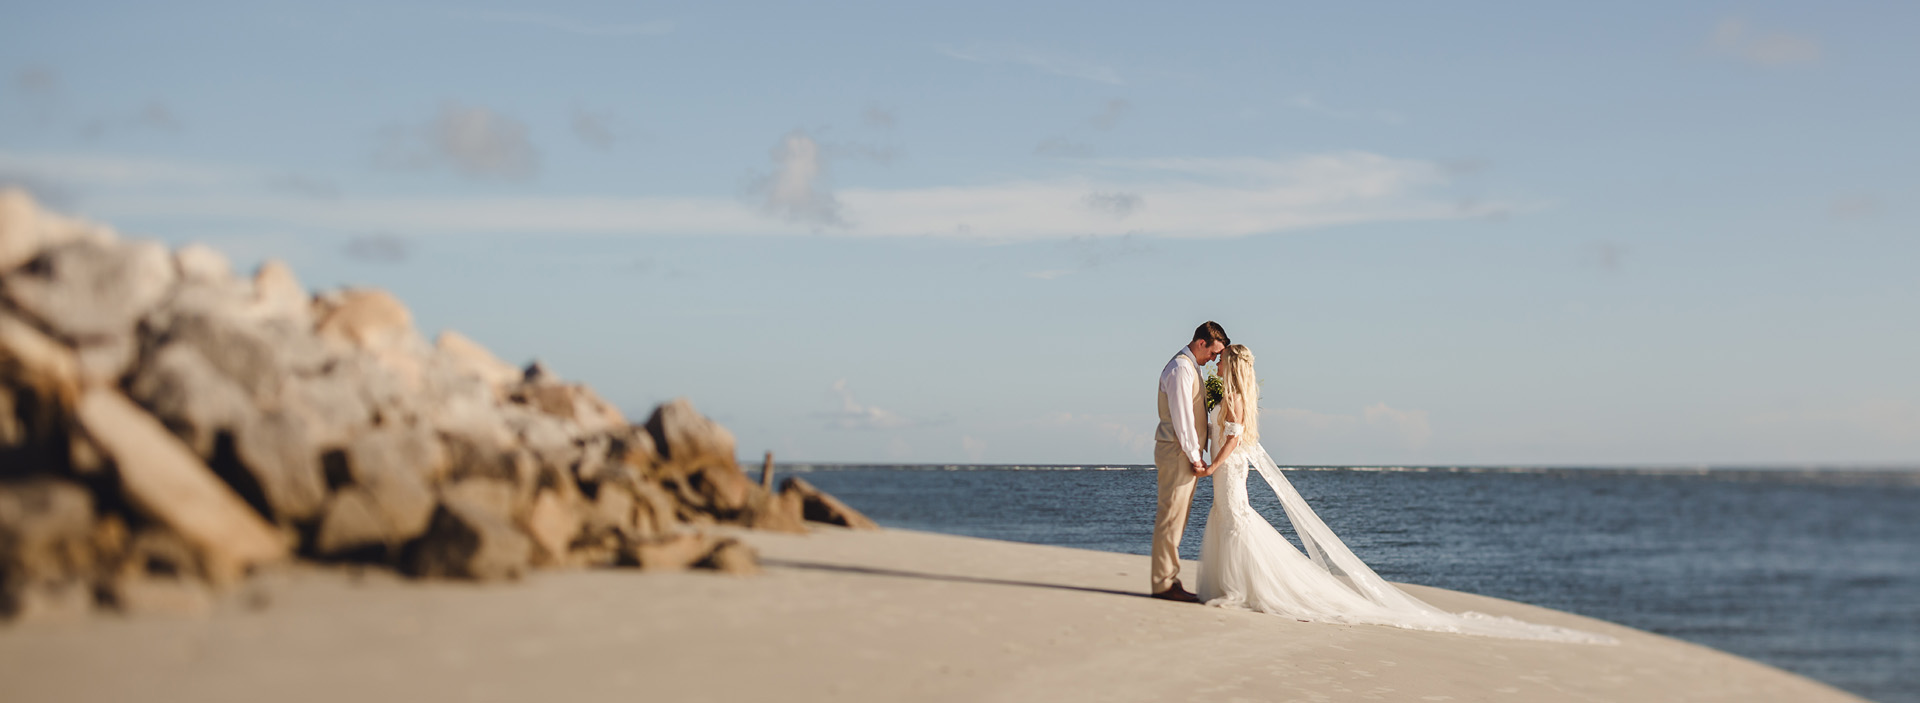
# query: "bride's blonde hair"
{"points": [[1240, 391]]}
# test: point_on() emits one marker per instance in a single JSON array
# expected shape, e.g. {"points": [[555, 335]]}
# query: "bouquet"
{"points": [[1215, 390]]}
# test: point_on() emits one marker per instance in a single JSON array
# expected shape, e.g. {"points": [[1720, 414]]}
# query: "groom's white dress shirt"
{"points": [[1180, 380]]}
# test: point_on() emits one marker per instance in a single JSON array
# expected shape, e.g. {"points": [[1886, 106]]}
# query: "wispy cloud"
{"points": [[796, 190], [1118, 205], [1734, 38], [1167, 197], [879, 118], [1608, 256], [1045, 60], [852, 415], [377, 249], [37, 81], [1111, 113], [594, 130], [572, 25], [470, 140]]}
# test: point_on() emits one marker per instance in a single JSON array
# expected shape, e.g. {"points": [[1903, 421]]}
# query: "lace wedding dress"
{"points": [[1247, 564]]}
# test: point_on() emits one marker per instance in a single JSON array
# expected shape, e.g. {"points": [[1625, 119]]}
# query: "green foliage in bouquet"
{"points": [[1215, 390]]}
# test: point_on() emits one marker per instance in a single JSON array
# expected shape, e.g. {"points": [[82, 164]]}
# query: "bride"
{"points": [[1246, 564]]}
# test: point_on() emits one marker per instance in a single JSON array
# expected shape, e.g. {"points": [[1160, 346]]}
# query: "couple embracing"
{"points": [[1244, 562]]}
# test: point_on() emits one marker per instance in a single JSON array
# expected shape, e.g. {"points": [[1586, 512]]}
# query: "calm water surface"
{"points": [[1815, 572]]}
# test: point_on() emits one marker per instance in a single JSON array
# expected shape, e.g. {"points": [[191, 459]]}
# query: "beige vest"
{"points": [[1164, 433]]}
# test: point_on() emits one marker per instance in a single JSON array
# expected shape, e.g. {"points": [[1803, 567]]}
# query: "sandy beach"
{"points": [[838, 615]]}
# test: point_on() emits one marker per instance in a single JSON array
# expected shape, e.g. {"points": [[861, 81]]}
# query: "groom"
{"points": [[1176, 453]]}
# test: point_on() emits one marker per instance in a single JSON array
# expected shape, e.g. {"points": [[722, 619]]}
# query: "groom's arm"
{"points": [[1186, 383]]}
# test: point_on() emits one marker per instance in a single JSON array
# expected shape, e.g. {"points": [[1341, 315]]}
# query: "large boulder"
{"points": [[164, 480], [89, 291], [471, 537], [682, 435], [818, 506], [26, 230]]}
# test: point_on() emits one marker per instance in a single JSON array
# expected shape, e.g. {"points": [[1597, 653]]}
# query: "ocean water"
{"points": [[1813, 571]]}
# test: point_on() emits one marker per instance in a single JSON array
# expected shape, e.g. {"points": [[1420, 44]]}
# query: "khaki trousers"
{"points": [[1170, 518]]}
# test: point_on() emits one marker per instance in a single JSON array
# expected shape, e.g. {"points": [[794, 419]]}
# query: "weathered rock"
{"points": [[258, 355], [86, 290], [46, 546], [275, 450], [466, 356], [354, 524], [39, 384], [395, 466], [778, 512], [201, 263], [192, 397], [366, 318], [406, 448], [817, 506], [104, 360], [571, 401], [655, 512], [331, 404], [159, 574], [553, 524], [26, 230], [163, 479], [469, 539], [613, 511], [277, 294], [674, 552], [682, 435], [731, 556]]}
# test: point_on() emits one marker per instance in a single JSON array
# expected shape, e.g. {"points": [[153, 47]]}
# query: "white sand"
{"points": [[838, 616]]}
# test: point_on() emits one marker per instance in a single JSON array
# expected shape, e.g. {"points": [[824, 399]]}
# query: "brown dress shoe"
{"points": [[1177, 594]]}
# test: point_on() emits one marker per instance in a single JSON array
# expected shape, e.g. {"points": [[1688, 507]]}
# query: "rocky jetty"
{"points": [[168, 427]]}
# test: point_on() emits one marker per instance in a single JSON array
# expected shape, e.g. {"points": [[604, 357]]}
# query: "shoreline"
{"points": [[836, 615]]}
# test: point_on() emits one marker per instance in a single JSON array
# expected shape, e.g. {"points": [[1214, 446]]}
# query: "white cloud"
{"points": [[796, 190], [1176, 198], [469, 140], [1733, 38], [852, 415], [1051, 62], [1118, 205], [573, 26]]}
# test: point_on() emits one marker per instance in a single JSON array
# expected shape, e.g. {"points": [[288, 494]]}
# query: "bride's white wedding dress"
{"points": [[1245, 563]]}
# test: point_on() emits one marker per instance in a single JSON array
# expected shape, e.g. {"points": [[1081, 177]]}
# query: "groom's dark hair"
{"points": [[1212, 332]]}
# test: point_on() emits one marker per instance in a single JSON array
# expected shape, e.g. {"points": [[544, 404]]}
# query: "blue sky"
{"points": [[1452, 233]]}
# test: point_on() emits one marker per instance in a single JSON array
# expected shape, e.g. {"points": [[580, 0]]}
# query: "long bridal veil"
{"points": [[1389, 605]]}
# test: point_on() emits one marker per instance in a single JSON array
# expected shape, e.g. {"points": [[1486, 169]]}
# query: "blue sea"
{"points": [[1816, 571]]}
